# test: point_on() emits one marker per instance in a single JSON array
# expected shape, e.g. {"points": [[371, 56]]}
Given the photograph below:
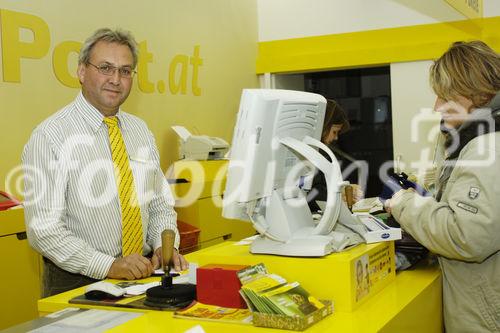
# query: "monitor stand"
{"points": [[287, 229], [286, 224], [317, 246], [311, 246]]}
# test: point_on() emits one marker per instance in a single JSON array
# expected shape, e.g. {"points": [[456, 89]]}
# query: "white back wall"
{"points": [[284, 19], [414, 124]]}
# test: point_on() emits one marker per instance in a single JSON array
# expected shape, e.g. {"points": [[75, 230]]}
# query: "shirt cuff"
{"points": [[99, 266]]}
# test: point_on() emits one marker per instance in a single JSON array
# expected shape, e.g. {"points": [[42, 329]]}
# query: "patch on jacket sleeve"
{"points": [[467, 207], [474, 192]]}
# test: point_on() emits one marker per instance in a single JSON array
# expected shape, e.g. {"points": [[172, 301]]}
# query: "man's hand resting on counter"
{"points": [[131, 267], [178, 261]]}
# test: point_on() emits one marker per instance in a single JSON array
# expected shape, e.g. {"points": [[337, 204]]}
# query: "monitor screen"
{"points": [[259, 163], [274, 148]]}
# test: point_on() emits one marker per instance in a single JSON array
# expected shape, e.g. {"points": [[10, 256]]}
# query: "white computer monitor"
{"points": [[276, 132]]}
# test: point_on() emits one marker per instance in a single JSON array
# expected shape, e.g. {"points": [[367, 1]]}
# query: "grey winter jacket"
{"points": [[463, 229]]}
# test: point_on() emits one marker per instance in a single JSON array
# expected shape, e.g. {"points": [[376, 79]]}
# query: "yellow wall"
{"points": [[408, 50], [212, 43], [373, 47]]}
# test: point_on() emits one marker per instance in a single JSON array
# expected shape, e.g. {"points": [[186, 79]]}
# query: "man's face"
{"points": [[106, 93], [453, 113]]}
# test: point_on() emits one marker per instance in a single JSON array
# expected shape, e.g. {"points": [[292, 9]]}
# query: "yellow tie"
{"points": [[131, 212]]}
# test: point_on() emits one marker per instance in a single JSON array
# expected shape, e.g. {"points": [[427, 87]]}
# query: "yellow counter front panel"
{"points": [[331, 277], [20, 278]]}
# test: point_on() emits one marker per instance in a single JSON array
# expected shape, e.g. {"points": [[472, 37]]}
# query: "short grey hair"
{"points": [[119, 36]]}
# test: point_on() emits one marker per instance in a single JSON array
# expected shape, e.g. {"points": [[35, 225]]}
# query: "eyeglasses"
{"points": [[109, 70]]}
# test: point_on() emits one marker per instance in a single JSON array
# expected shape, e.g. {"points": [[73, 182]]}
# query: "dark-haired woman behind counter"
{"points": [[335, 124]]}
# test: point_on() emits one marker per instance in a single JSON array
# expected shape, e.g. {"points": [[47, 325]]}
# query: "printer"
{"points": [[199, 147]]}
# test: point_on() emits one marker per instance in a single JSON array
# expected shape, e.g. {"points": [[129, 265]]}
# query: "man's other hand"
{"points": [[178, 261], [131, 267]]}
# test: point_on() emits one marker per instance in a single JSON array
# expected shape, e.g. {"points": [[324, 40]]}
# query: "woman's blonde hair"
{"points": [[468, 69]]}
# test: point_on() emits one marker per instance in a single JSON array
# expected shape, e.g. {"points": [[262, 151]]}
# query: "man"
{"points": [[96, 199]]}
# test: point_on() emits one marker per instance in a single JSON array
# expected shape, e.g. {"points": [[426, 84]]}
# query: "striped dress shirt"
{"points": [[72, 210]]}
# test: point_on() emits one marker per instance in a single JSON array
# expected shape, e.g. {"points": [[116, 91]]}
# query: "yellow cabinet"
{"points": [[20, 271], [199, 201]]}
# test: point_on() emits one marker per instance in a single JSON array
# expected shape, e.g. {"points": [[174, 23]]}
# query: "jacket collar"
{"points": [[488, 112], [494, 104]]}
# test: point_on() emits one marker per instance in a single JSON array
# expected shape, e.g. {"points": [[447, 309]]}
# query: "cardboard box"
{"points": [[218, 284], [292, 323], [377, 230]]}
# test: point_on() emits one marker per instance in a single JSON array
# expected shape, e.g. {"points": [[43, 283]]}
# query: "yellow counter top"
{"points": [[411, 303]]}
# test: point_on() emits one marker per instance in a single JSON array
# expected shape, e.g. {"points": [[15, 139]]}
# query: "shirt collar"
{"points": [[92, 116]]}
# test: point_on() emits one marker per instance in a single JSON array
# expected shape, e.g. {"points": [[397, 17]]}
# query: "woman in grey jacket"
{"points": [[461, 223]]}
